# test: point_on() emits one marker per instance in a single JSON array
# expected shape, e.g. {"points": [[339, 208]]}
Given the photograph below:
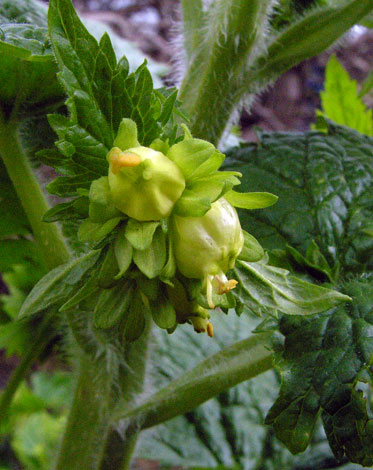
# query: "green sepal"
{"points": [[140, 234], [190, 154], [191, 204], [112, 304], [127, 135], [151, 260], [252, 250], [134, 322], [200, 193], [160, 146], [101, 207], [149, 287], [163, 312], [91, 232], [123, 253], [107, 275], [250, 200], [169, 270]]}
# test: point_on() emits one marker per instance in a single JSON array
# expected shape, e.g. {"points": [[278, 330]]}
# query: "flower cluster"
{"points": [[178, 234]]}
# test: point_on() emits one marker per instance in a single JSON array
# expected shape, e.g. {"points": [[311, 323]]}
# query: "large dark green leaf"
{"points": [[324, 184], [326, 367], [26, 59], [229, 429]]}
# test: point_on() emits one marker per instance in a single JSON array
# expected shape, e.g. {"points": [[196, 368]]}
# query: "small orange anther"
{"points": [[123, 160], [210, 329]]}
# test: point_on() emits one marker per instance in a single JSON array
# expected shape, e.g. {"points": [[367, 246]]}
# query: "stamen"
{"points": [[210, 329], [209, 292], [121, 159], [224, 284]]}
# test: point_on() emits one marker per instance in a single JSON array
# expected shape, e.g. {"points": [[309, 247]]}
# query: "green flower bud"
{"points": [[144, 183], [207, 247]]}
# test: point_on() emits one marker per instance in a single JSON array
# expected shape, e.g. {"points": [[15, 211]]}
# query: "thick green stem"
{"points": [[119, 448], [88, 412], [192, 11], [208, 89], [40, 340], [48, 236], [241, 361]]}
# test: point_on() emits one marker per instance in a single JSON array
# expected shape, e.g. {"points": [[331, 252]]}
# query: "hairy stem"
{"points": [[51, 243], [120, 444], [241, 361], [52, 246], [192, 11], [88, 413], [231, 41], [40, 340]]}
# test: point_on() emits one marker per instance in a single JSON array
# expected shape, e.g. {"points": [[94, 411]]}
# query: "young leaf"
{"points": [[308, 36], [264, 287], [340, 100], [56, 286], [330, 375]]}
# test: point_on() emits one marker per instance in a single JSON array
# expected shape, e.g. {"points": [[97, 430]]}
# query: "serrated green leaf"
{"points": [[112, 304], [151, 260], [264, 287], [69, 186], [327, 376], [101, 92], [250, 200], [324, 186], [76, 209], [140, 234], [57, 285], [340, 100]]}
